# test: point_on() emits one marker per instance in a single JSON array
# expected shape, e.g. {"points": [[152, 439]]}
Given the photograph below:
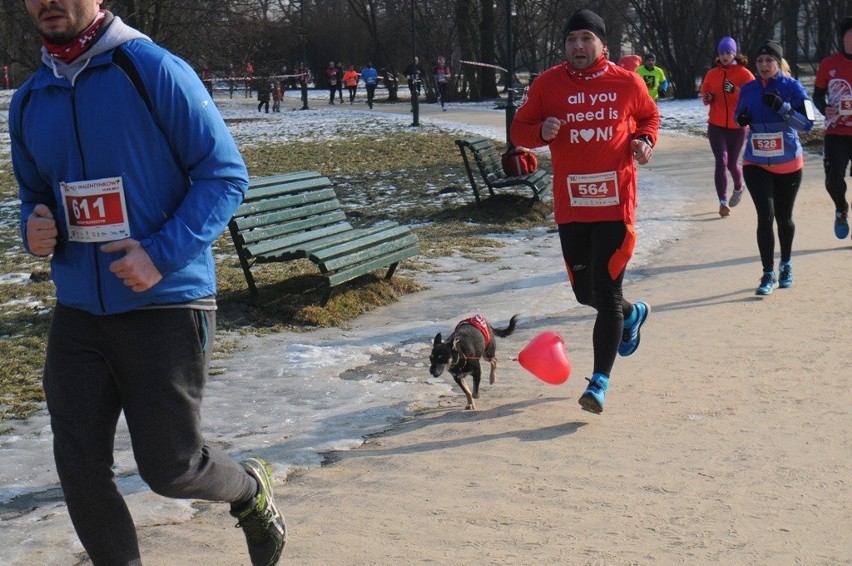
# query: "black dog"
{"points": [[471, 340]]}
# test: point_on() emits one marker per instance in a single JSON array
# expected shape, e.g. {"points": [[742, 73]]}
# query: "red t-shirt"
{"points": [[835, 76], [331, 75], [603, 109]]}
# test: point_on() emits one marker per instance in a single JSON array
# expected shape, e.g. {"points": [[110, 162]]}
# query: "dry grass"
{"points": [[424, 173]]}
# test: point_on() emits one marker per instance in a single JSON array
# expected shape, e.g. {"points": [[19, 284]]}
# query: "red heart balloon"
{"points": [[545, 358]]}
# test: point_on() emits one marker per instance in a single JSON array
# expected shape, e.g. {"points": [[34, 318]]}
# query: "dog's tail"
{"points": [[503, 332]]}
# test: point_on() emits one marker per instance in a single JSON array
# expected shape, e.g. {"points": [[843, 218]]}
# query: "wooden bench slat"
{"points": [[297, 186], [296, 240], [309, 248], [276, 214], [274, 231], [368, 249], [274, 201], [360, 237], [532, 179], [345, 275], [297, 215], [284, 178], [366, 255]]}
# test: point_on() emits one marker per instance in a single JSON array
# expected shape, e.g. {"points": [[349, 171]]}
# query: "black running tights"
{"points": [[837, 153], [774, 195], [587, 249]]}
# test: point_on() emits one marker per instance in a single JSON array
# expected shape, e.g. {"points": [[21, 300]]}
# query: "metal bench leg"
{"points": [[326, 296], [470, 174], [249, 277], [391, 270]]}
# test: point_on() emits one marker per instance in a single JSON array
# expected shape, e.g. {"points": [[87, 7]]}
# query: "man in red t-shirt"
{"points": [[331, 80], [442, 76], [597, 119], [833, 97]]}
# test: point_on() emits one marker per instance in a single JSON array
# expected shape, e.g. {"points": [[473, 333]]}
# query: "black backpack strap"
{"points": [[121, 60]]}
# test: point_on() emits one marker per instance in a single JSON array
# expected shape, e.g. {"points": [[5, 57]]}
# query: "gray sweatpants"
{"points": [[152, 364]]}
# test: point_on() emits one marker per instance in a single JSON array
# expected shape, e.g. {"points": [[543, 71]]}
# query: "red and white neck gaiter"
{"points": [[67, 52]]}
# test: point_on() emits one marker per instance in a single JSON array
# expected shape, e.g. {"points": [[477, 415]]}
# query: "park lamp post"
{"points": [[303, 79], [510, 63], [415, 104]]}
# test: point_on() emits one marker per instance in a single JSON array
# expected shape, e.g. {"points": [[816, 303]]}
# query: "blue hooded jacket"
{"points": [[183, 176], [789, 119]]}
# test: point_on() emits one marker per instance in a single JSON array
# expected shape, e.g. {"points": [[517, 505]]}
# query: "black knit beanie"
{"points": [[588, 20], [772, 48]]}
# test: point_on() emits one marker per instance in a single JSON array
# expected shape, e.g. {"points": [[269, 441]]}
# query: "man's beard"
{"points": [[59, 38]]}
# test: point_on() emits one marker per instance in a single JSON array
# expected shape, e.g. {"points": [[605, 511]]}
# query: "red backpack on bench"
{"points": [[518, 161]]}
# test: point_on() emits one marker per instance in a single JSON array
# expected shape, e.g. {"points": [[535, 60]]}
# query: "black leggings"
{"points": [[837, 153], [442, 93], [588, 249], [774, 195]]}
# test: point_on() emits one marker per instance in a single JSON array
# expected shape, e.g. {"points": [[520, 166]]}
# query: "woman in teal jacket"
{"points": [[775, 107]]}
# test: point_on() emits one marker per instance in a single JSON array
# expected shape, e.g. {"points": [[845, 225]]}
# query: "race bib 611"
{"points": [[95, 211]]}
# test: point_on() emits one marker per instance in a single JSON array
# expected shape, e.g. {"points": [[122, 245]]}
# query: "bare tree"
{"points": [[820, 25], [683, 33], [19, 42], [790, 33], [686, 51]]}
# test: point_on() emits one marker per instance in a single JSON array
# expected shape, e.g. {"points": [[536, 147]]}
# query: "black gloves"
{"points": [[744, 119], [772, 100], [728, 87]]}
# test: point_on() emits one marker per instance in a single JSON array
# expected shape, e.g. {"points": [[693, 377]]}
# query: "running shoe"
{"points": [[630, 337], [735, 198], [724, 209], [592, 399], [785, 275], [767, 283], [262, 523], [841, 225]]}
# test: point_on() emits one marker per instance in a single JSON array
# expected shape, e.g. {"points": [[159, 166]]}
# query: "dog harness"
{"points": [[479, 323]]}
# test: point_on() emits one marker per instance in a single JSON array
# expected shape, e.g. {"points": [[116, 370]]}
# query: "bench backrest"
{"points": [[487, 158], [277, 206]]}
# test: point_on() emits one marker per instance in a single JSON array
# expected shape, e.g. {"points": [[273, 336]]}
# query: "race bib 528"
{"points": [[769, 144]]}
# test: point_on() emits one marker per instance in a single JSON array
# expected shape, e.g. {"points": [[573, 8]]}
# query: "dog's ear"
{"points": [[438, 340]]}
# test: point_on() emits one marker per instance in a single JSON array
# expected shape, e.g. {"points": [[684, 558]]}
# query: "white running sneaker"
{"points": [[735, 198]]}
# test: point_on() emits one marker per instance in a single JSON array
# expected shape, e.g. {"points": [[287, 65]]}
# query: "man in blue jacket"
{"points": [[371, 79], [127, 174]]}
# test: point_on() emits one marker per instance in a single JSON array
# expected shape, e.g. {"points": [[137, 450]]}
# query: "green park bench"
{"points": [[481, 159], [297, 215]]}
